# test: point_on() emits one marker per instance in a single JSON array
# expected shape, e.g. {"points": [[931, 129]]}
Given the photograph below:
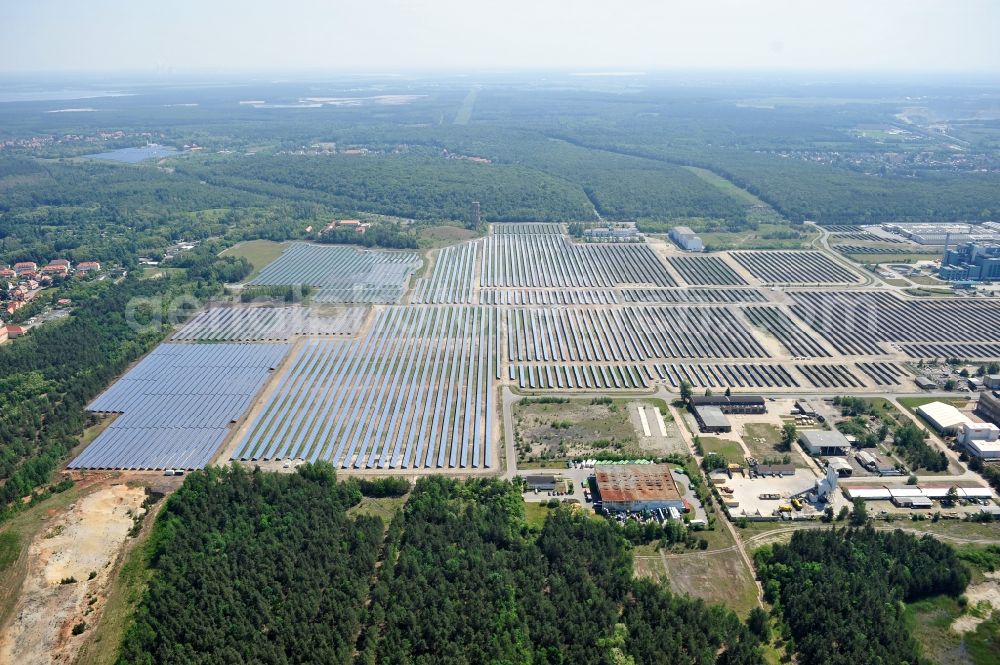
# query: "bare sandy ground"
{"points": [[87, 538], [985, 593]]}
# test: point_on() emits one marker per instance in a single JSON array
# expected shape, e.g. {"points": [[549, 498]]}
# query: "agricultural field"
{"points": [[705, 271], [341, 274], [414, 392], [547, 260], [792, 267], [268, 324], [176, 406], [860, 323]]}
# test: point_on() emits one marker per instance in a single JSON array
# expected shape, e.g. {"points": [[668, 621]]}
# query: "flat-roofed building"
{"points": [[980, 439], [541, 482], [944, 418], [712, 419], [988, 408], [824, 442], [637, 487]]}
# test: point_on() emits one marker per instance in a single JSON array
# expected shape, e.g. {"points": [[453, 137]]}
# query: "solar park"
{"points": [[383, 372]]}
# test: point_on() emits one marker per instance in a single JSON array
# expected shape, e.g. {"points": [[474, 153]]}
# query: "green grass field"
{"points": [[724, 185], [258, 252], [912, 403], [730, 450]]}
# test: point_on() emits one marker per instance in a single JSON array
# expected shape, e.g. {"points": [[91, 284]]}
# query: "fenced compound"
{"points": [[793, 338], [627, 334], [726, 375], [177, 405], [342, 274], [257, 324], [705, 271], [883, 374], [453, 277], [794, 267], [830, 376], [415, 392], [694, 296], [859, 322], [552, 261]]}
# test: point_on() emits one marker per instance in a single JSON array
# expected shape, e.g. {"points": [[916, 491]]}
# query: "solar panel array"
{"points": [[260, 324], [177, 404], [415, 392], [794, 267], [856, 322], [342, 274], [552, 261], [453, 277]]}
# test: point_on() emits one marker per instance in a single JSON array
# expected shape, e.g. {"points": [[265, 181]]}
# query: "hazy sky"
{"points": [[369, 35]]}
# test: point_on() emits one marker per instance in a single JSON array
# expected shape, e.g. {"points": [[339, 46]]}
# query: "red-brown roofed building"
{"points": [[637, 487], [14, 331], [22, 267], [54, 269], [87, 266], [7, 273]]}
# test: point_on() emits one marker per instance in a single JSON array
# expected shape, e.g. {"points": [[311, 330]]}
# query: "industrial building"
{"points": [[876, 464], [971, 261], [686, 239], [637, 487], [941, 234], [710, 411], [942, 417], [824, 442], [988, 408], [712, 419], [805, 408], [542, 483], [924, 383], [980, 439], [922, 492], [621, 233], [841, 466]]}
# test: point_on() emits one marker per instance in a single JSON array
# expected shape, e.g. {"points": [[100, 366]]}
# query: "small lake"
{"points": [[135, 155]]}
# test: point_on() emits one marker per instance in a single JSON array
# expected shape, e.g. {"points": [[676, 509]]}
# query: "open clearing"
{"points": [[80, 545], [579, 427], [715, 577], [258, 252]]}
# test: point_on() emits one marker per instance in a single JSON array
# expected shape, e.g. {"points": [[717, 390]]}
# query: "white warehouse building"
{"points": [[943, 417], [686, 239], [980, 439]]}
